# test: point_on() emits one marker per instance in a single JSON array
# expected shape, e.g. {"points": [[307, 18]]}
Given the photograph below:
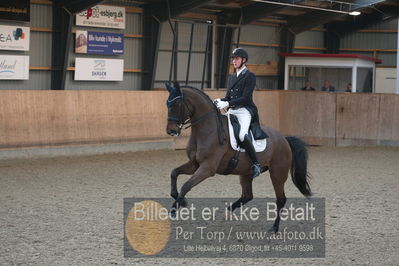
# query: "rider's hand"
{"points": [[216, 101], [222, 104]]}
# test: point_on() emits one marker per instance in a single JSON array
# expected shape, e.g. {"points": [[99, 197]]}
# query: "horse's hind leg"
{"points": [[186, 169], [279, 175], [246, 195]]}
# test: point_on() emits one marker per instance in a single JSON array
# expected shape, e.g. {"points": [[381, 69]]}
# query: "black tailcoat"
{"points": [[240, 90], [239, 94]]}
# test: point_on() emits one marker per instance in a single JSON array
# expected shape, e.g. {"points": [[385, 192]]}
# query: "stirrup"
{"points": [[256, 169]]}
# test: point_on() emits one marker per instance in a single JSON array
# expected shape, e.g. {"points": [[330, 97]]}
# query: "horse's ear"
{"points": [[168, 87], [177, 85]]}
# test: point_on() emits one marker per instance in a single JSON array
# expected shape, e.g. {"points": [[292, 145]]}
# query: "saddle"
{"points": [[256, 133]]}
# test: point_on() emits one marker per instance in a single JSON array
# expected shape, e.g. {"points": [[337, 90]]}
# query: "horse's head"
{"points": [[178, 112]]}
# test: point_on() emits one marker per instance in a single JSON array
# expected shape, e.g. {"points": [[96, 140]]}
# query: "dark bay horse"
{"points": [[209, 150]]}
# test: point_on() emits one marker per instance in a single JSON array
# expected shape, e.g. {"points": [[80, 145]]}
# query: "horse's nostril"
{"points": [[172, 132]]}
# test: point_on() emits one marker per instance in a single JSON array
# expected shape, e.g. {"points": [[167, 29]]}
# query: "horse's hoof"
{"points": [[172, 213], [273, 230]]}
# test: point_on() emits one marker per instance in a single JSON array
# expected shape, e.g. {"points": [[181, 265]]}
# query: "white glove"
{"points": [[216, 101], [222, 104]]}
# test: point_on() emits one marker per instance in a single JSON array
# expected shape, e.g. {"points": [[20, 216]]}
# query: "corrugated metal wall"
{"points": [[309, 39], [376, 42], [197, 56], [379, 44], [41, 16], [259, 34], [40, 53], [252, 37], [40, 50]]}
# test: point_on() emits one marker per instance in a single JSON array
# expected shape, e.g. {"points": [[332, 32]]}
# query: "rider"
{"points": [[239, 101]]}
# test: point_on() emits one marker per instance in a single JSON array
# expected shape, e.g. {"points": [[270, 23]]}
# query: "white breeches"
{"points": [[244, 118]]}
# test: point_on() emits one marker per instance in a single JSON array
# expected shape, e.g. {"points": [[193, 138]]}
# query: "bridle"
{"points": [[181, 120], [183, 109]]}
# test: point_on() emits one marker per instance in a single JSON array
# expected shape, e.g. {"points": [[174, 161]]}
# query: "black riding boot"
{"points": [[249, 148]]}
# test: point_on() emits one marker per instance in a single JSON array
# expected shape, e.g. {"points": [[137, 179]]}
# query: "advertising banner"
{"points": [[102, 16], [14, 38], [90, 42], [15, 10], [98, 69], [14, 67]]}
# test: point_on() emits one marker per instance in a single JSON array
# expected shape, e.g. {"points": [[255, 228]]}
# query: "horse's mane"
{"points": [[206, 96], [221, 133]]}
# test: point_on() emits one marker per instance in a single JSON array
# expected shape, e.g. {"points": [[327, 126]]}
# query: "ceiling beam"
{"points": [[255, 11], [162, 11], [364, 3], [77, 6], [312, 19], [258, 10], [362, 21]]}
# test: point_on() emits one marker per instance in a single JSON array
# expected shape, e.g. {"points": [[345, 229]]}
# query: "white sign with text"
{"points": [[14, 67], [98, 69], [14, 38]]}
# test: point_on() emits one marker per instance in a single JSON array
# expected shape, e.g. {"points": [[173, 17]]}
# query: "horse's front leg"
{"points": [[186, 169], [203, 172]]}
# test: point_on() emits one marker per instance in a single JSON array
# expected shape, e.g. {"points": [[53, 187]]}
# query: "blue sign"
{"points": [[90, 42]]}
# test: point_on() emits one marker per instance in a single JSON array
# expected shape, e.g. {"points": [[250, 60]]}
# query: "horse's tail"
{"points": [[299, 171]]}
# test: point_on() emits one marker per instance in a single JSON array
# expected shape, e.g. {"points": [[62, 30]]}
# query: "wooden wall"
{"points": [[40, 118], [341, 119], [357, 118], [36, 118], [309, 115], [388, 119]]}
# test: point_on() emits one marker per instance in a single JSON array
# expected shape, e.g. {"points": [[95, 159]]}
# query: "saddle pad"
{"points": [[259, 145]]}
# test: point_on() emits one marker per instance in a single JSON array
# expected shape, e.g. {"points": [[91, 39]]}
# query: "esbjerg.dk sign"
{"points": [[14, 38], [102, 16]]}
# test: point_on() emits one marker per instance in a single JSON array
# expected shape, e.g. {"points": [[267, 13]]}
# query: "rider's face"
{"points": [[237, 61]]}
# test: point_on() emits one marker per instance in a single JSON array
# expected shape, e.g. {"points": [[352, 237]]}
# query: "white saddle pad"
{"points": [[259, 145]]}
